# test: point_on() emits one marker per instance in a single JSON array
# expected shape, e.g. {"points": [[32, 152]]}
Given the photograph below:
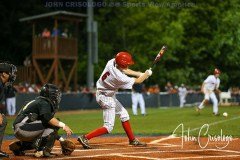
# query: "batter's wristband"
{"points": [[62, 125]]}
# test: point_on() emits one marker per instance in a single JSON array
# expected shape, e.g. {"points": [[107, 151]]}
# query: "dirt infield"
{"points": [[167, 148]]}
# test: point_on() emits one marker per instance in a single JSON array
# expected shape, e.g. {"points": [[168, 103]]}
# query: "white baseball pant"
{"points": [[11, 106], [182, 100], [111, 107], [138, 98], [211, 95]]}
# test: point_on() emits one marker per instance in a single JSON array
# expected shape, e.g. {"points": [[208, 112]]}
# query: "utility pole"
{"points": [[90, 69]]}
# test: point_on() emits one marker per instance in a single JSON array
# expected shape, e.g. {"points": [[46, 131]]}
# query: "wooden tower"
{"points": [[55, 57]]}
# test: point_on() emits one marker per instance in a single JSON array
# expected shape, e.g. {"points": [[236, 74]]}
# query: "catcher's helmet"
{"points": [[217, 71], [124, 59], [9, 69], [53, 93]]}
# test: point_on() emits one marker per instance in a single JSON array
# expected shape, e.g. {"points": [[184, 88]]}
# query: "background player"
{"points": [[36, 127], [137, 97], [210, 85], [10, 96], [182, 93], [7, 77], [114, 77]]}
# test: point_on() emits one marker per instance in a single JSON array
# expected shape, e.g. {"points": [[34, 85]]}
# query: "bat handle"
{"points": [[153, 66]]}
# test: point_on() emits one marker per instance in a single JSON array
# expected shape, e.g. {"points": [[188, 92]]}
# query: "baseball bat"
{"points": [[159, 56]]}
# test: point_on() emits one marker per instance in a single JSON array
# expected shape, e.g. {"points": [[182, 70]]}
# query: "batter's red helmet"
{"points": [[217, 71], [124, 59]]}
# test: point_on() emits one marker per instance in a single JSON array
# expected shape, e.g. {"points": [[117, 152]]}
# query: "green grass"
{"points": [[159, 121]]}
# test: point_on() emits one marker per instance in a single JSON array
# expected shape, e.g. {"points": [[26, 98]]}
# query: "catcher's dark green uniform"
{"points": [[32, 127], [32, 121]]}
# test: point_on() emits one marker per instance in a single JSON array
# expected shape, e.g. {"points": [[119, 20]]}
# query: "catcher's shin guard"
{"points": [[44, 145]]}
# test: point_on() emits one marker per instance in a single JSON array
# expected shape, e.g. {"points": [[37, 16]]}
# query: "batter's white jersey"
{"points": [[109, 82], [211, 83], [112, 79]]}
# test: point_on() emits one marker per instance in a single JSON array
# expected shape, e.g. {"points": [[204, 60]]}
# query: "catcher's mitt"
{"points": [[67, 147]]}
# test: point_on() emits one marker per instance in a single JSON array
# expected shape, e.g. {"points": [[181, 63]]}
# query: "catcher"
{"points": [[36, 127]]}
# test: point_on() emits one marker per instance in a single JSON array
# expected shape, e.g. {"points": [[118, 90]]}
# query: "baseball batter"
{"points": [[182, 93], [7, 77], [114, 77], [210, 85]]}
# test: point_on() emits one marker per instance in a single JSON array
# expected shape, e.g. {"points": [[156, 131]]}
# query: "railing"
{"points": [[67, 46], [55, 45]]}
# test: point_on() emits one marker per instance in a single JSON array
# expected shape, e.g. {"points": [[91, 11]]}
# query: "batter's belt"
{"points": [[106, 93]]}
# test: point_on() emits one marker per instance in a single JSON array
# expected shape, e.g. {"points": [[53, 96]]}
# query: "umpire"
{"points": [[137, 97], [7, 77], [35, 125]]}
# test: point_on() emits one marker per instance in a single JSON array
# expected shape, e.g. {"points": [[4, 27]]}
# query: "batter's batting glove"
{"points": [[67, 147], [149, 72]]}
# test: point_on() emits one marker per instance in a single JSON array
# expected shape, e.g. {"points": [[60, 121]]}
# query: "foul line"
{"points": [[163, 139], [218, 122], [194, 129]]}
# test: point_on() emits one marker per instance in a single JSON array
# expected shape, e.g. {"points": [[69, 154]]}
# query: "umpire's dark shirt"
{"points": [[137, 88], [41, 106], [10, 92]]}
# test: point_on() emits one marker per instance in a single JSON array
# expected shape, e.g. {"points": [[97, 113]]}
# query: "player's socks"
{"points": [[127, 127], [96, 133]]}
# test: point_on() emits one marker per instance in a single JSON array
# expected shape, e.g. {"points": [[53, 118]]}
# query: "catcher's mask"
{"points": [[53, 93], [10, 69]]}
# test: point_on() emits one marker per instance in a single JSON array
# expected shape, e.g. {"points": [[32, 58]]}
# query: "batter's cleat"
{"points": [[3, 155], [84, 142], [15, 147], [137, 143]]}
